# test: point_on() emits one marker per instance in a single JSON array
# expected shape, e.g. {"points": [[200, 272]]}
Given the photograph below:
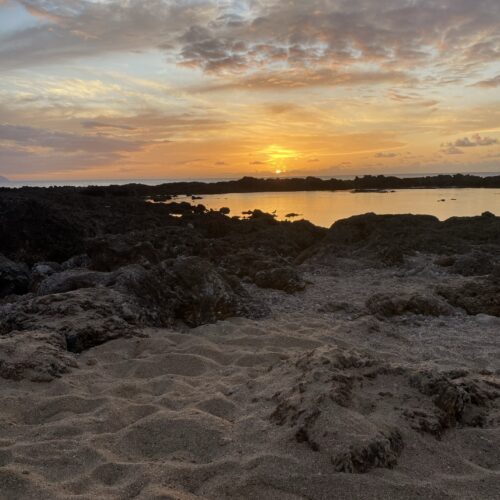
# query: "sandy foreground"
{"points": [[323, 398]]}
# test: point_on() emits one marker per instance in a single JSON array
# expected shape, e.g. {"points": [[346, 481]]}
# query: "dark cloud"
{"points": [[474, 141]]}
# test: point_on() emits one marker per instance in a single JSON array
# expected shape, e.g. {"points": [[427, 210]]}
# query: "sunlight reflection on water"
{"points": [[323, 208]]}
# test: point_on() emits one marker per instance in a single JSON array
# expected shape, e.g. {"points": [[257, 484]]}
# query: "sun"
{"points": [[278, 157]]}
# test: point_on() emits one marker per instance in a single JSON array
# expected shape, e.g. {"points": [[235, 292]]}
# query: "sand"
{"points": [[322, 399]]}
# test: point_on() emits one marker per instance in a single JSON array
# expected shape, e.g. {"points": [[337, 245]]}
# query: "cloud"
{"points": [[474, 141], [92, 124], [32, 137], [490, 83], [317, 39], [386, 155], [450, 149], [302, 78]]}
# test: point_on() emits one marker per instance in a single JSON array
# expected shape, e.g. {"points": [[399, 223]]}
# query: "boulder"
{"points": [[14, 278], [36, 356], [280, 278], [205, 294], [111, 252]]}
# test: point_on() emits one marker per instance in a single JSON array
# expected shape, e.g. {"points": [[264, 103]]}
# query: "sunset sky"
{"points": [[125, 89]]}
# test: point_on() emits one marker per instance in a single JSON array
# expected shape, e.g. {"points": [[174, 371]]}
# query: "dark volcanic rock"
{"points": [[387, 239], [280, 278], [476, 297], [73, 280], [14, 278], [108, 253], [35, 356], [388, 305], [205, 295]]}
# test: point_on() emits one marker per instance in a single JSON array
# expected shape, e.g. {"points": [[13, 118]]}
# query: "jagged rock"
{"points": [[73, 280], [112, 252], [39, 357], [457, 399], [84, 318], [476, 297], [41, 271], [387, 305], [205, 295], [387, 239], [316, 403], [280, 278], [14, 278], [77, 262]]}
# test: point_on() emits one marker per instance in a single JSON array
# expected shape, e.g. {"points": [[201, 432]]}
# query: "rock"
{"points": [[387, 305], [225, 211], [387, 239], [476, 297], [14, 278], [73, 280], [112, 252], [76, 262], [205, 295], [485, 319], [315, 401], [84, 318], [474, 264], [280, 278], [39, 357]]}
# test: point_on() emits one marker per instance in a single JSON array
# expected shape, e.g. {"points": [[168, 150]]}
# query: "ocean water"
{"points": [[323, 208]]}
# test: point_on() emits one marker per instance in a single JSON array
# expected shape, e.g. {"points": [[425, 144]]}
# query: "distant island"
{"points": [[368, 183]]}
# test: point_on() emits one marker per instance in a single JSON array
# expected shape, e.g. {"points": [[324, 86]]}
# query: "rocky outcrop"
{"points": [[476, 297], [358, 410], [387, 239]]}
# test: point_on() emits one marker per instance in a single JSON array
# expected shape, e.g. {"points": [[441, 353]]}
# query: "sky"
{"points": [[180, 89]]}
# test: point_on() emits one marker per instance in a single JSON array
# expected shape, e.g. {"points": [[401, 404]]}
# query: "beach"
{"points": [[167, 351]]}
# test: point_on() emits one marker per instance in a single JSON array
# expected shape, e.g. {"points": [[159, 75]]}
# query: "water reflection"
{"points": [[323, 208]]}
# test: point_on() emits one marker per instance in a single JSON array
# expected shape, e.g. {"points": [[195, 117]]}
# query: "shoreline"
{"points": [[143, 352]]}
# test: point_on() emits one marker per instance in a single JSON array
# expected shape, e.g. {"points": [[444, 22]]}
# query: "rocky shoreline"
{"points": [[300, 344]]}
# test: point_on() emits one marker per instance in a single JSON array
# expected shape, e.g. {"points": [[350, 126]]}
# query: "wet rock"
{"points": [[14, 278], [281, 278], [388, 305]]}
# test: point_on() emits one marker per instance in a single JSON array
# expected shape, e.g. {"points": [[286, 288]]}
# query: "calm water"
{"points": [[323, 208]]}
